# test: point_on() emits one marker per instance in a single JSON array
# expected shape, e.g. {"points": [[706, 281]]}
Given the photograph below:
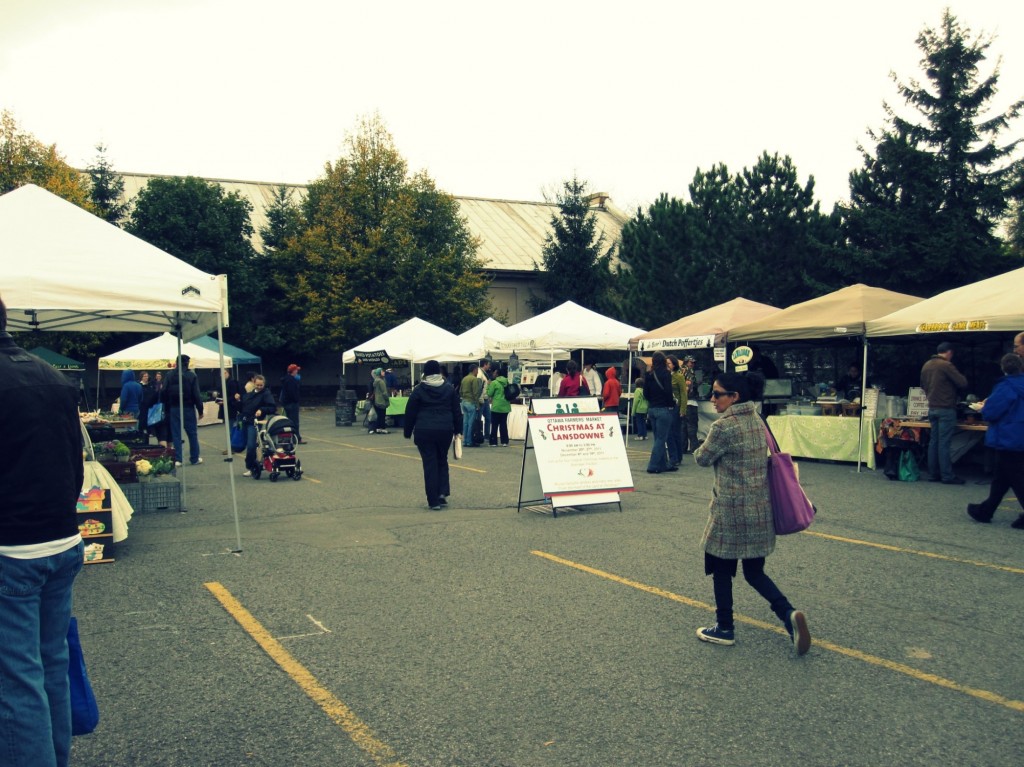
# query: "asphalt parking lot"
{"points": [[357, 628]]}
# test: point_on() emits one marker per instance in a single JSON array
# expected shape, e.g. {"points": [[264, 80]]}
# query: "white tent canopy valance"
{"points": [[65, 269], [993, 304], [161, 353]]}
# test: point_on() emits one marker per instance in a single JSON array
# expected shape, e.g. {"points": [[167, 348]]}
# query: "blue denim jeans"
{"points": [[640, 424], [675, 440], [250, 447], [35, 609], [191, 430], [468, 417], [485, 411], [943, 423], [661, 421]]}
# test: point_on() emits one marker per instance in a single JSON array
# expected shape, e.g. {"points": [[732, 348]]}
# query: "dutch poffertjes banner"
{"points": [[580, 453]]}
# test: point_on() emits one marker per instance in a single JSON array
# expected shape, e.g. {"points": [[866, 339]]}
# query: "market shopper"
{"points": [[690, 420], [470, 389], [191, 400], [149, 397], [500, 408], [255, 405], [290, 397], [131, 394], [594, 383], [433, 414], [941, 382], [379, 399], [639, 409], [1018, 344], [740, 526], [41, 552], [573, 384], [612, 391], [658, 393], [1003, 410], [676, 439]]}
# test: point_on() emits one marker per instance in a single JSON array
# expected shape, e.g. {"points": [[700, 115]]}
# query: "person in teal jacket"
{"points": [[500, 407]]}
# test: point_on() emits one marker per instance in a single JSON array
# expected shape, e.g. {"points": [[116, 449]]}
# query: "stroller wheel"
{"points": [[297, 475], [274, 475]]}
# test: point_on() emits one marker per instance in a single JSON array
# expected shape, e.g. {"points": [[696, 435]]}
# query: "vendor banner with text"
{"points": [[580, 453]]}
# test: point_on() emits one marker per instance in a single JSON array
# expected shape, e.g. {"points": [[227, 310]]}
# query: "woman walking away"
{"points": [[658, 393], [740, 526], [434, 413], [380, 401], [1004, 412]]}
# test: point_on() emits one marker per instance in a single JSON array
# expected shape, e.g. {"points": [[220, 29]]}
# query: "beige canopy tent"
{"points": [[993, 304], [703, 330], [842, 314]]}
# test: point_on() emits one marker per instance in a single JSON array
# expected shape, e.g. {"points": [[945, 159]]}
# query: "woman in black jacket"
{"points": [[658, 393], [256, 404], [434, 412]]}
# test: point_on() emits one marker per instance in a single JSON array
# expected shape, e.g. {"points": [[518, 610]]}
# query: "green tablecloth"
{"points": [[832, 438]]}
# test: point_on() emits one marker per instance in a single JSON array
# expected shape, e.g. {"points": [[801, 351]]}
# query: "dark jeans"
{"points": [[250, 447], [433, 446], [690, 443], [943, 423], [661, 422], [640, 424], [499, 425], [722, 572], [292, 411], [1009, 474], [675, 438], [382, 418], [191, 431]]}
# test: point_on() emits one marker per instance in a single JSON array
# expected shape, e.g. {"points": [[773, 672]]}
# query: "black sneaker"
{"points": [[954, 481], [442, 500], [799, 632], [1018, 523], [717, 635], [974, 512]]}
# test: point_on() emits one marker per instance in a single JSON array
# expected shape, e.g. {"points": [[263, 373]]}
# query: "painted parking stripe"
{"points": [[381, 754], [916, 552], [901, 668]]}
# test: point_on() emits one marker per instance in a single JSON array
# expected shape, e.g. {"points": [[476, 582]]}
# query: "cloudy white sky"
{"points": [[502, 100]]}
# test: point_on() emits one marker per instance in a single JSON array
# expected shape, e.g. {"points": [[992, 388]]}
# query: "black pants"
{"points": [[723, 571], [499, 423], [433, 446], [292, 411], [1009, 473]]}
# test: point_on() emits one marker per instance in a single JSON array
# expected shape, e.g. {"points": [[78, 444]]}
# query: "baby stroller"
{"points": [[275, 443]]}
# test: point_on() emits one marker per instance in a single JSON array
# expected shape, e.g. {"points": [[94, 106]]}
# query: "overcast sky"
{"points": [[500, 100]]}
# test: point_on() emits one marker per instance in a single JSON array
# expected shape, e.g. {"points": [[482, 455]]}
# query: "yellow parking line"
{"points": [[991, 697], [916, 552], [381, 754]]}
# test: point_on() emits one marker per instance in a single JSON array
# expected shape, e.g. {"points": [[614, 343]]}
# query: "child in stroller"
{"points": [[275, 441]]}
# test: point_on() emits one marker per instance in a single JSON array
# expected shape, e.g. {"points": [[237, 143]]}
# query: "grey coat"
{"points": [[740, 525]]}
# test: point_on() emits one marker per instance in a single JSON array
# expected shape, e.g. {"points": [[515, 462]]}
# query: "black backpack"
{"points": [[511, 391]]}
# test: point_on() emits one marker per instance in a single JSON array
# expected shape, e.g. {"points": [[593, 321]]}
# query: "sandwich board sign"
{"points": [[575, 455]]}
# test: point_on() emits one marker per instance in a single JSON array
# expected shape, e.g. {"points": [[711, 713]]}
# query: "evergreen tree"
{"points": [[284, 220], [107, 192], [925, 206], [375, 247], [577, 265]]}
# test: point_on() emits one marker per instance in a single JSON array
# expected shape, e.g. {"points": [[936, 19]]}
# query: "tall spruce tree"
{"points": [[925, 207], [107, 190], [576, 261]]}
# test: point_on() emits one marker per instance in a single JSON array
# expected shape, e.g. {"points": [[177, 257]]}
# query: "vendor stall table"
{"points": [[967, 435], [827, 438]]}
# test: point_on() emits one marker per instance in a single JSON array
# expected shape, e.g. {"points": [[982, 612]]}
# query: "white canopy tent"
{"points": [[65, 269], [993, 304], [161, 352], [567, 326], [402, 342], [472, 345]]}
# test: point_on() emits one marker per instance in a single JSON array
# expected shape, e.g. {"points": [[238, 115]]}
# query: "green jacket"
{"points": [[496, 394]]}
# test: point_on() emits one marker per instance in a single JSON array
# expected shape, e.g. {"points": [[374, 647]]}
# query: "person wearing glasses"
{"points": [[740, 526]]}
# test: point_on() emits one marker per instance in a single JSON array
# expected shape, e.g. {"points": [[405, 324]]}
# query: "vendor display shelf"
{"points": [[96, 525], [123, 472], [161, 494]]}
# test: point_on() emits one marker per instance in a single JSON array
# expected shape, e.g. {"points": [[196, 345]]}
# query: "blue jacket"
{"points": [[131, 393], [1004, 412]]}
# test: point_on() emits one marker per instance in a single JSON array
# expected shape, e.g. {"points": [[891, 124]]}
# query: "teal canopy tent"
{"points": [[55, 360], [238, 356]]}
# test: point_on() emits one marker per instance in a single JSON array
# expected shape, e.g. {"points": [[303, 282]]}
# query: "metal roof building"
{"points": [[511, 233]]}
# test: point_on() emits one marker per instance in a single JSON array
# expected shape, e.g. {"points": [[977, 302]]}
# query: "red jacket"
{"points": [[612, 389]]}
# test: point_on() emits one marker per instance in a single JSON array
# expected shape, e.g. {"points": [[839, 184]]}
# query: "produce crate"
{"points": [[161, 494], [123, 472], [151, 452], [133, 492]]}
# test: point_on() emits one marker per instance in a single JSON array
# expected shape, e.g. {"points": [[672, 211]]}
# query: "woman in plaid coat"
{"points": [[740, 526]]}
